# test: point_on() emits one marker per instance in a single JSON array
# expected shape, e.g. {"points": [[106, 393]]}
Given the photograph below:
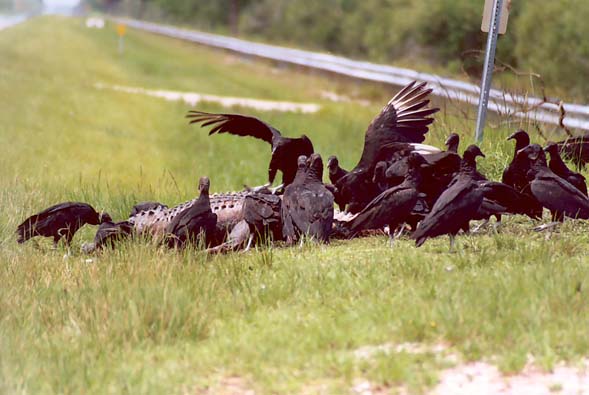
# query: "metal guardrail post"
{"points": [[488, 70]]}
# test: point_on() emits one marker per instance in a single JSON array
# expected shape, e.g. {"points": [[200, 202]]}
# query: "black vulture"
{"points": [[576, 149], [512, 201], [404, 119], [307, 205], [61, 220], [335, 174], [261, 220], [285, 150], [515, 174], [498, 198], [559, 168], [146, 206], [393, 206], [553, 192], [335, 171], [263, 215], [199, 219], [455, 207], [379, 177]]}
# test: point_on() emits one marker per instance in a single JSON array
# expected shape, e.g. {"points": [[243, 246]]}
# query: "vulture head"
{"points": [[104, 217], [315, 166], [522, 139], [452, 142], [203, 185], [534, 153], [332, 164], [472, 152]]}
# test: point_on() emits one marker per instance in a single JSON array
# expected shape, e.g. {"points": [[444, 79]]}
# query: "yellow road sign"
{"points": [[121, 29]]}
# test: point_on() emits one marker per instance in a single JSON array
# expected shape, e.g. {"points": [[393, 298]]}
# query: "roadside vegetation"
{"points": [[142, 319], [543, 38]]}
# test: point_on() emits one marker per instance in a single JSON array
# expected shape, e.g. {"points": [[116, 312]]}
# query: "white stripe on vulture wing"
{"points": [[425, 149]]}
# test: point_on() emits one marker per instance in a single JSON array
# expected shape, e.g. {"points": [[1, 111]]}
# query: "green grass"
{"points": [[146, 320]]}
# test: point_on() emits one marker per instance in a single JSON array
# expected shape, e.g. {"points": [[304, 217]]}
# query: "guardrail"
{"points": [[577, 115], [10, 20]]}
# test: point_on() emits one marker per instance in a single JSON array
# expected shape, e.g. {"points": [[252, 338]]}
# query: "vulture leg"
{"points": [[273, 169], [391, 239], [56, 239], [249, 242], [400, 231], [452, 237]]}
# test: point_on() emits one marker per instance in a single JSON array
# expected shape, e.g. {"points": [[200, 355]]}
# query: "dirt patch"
{"points": [[410, 348], [193, 98], [483, 378], [232, 385]]}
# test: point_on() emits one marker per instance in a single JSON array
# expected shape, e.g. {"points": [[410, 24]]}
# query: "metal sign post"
{"points": [[488, 70], [121, 30]]}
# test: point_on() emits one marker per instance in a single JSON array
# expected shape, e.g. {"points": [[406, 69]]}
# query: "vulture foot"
{"points": [[452, 241], [249, 243]]}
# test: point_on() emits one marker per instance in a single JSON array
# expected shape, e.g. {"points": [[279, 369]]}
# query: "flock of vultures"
{"points": [[398, 183]]}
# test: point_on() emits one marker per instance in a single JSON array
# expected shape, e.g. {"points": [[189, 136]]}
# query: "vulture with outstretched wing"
{"points": [[285, 150], [404, 119]]}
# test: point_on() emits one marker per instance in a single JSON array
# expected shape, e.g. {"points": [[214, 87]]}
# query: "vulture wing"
{"points": [[404, 119], [57, 214], [239, 125]]}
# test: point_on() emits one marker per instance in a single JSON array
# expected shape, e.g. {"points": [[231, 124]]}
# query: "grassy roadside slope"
{"points": [[145, 320]]}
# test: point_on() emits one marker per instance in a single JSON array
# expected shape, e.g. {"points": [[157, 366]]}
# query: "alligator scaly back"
{"points": [[227, 206]]}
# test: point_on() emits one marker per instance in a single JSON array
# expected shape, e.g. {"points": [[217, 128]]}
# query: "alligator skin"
{"points": [[229, 210], [227, 206]]}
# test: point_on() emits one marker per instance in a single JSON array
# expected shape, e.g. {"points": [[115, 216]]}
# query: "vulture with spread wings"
{"points": [[402, 123], [285, 150]]}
